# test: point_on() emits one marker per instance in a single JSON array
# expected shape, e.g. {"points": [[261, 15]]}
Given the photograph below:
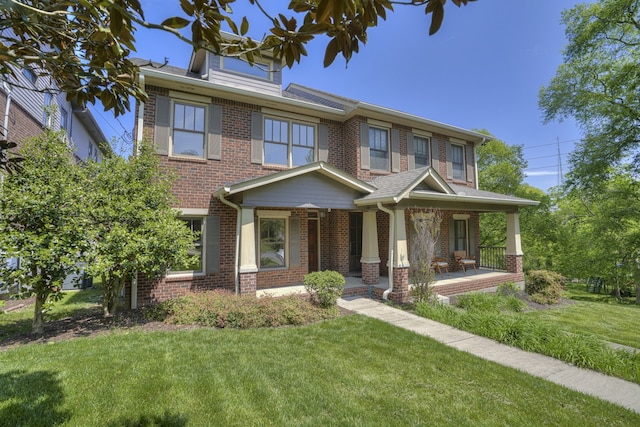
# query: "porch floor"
{"points": [[454, 279]]}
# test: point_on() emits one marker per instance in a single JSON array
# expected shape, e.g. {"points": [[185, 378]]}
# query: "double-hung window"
{"points": [[288, 143], [379, 148], [273, 242], [421, 151], [188, 129], [457, 161], [460, 227], [195, 262]]}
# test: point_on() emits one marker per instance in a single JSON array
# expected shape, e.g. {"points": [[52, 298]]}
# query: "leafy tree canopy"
{"points": [[85, 46], [598, 84]]}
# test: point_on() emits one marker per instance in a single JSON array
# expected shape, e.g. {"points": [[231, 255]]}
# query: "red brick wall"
{"points": [[22, 125]]}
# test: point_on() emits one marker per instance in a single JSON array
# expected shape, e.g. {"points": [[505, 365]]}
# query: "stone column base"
{"points": [[248, 283], [370, 273], [400, 293]]}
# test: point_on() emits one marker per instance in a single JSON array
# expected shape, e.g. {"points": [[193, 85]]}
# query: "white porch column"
{"points": [[248, 242], [370, 253], [401, 254], [514, 247]]}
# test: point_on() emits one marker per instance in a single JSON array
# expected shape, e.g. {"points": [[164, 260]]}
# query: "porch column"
{"points": [[514, 247], [400, 291], [248, 270], [370, 256]]}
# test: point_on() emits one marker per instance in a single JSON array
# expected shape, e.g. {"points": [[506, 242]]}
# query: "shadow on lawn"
{"points": [[31, 398], [165, 420]]}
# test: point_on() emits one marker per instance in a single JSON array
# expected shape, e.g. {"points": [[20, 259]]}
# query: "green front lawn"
{"points": [[597, 315], [351, 371]]}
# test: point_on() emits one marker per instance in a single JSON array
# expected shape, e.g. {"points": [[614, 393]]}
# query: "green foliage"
{"points": [[598, 86], [544, 287], [133, 228], [324, 287], [222, 309], [96, 65], [487, 302], [10, 161], [42, 221]]}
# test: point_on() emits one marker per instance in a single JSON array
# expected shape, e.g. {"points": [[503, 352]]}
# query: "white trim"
{"points": [[457, 141], [290, 116], [421, 133], [273, 214], [379, 123], [189, 97], [461, 216], [193, 211]]}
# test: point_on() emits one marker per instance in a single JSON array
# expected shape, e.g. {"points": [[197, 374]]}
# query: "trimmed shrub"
{"points": [[222, 309], [324, 287], [544, 287]]}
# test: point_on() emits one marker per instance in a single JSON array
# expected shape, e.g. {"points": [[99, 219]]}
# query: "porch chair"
{"points": [[440, 263], [463, 261]]}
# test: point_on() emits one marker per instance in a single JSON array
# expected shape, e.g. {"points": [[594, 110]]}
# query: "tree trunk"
{"points": [[637, 293], [37, 327]]}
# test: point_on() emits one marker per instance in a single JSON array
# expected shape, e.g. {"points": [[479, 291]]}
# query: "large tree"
{"points": [[133, 228], [85, 46], [42, 221], [598, 84]]}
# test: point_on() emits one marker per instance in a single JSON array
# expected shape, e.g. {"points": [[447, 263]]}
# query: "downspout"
{"points": [[238, 228], [475, 158], [139, 135], [392, 238], [5, 126]]}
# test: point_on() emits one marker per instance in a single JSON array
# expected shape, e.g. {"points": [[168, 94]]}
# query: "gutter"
{"points": [[5, 131], [237, 254], [392, 239]]}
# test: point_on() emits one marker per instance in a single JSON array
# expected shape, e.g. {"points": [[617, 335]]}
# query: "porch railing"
{"points": [[493, 257]]}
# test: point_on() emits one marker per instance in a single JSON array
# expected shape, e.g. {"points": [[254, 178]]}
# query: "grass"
{"points": [[351, 371], [19, 322], [597, 315], [557, 332]]}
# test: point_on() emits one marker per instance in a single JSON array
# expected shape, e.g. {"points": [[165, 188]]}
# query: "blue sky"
{"points": [[482, 70]]}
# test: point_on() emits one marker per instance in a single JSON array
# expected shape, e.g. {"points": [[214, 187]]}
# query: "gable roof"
{"points": [[323, 168], [425, 184]]}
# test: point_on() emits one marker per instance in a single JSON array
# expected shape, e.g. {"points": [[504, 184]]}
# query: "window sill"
{"points": [[263, 270], [179, 277], [188, 159]]}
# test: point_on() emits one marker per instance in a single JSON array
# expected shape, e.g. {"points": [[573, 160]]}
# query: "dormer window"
{"points": [[260, 69]]}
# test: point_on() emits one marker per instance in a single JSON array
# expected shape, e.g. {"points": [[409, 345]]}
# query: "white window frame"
{"points": [[186, 103], [427, 140], [273, 215], [201, 272], [262, 69], [47, 113], [461, 177], [372, 130], [64, 120], [290, 123]]}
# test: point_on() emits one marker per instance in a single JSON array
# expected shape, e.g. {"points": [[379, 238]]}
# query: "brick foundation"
{"points": [[514, 264], [248, 283], [370, 273], [400, 291]]}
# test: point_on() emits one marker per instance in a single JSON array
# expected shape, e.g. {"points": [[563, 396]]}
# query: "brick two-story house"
{"points": [[282, 182]]}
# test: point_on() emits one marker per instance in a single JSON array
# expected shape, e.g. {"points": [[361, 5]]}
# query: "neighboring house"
{"points": [[282, 182], [29, 103]]}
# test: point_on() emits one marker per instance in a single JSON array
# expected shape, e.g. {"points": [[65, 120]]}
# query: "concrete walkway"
{"points": [[611, 389]]}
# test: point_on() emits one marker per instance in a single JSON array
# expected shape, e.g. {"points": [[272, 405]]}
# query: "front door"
{"points": [[355, 241], [313, 244]]}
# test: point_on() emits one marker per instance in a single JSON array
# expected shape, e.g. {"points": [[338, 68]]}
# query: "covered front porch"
{"points": [[453, 283]]}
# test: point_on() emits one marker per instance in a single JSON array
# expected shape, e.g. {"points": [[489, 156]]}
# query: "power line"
{"points": [[545, 167], [552, 143]]}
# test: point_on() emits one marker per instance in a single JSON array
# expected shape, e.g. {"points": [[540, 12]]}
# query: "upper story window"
{"points": [[188, 129], [64, 120], [29, 74], [421, 151], [288, 143], [379, 148], [457, 161], [259, 69]]}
